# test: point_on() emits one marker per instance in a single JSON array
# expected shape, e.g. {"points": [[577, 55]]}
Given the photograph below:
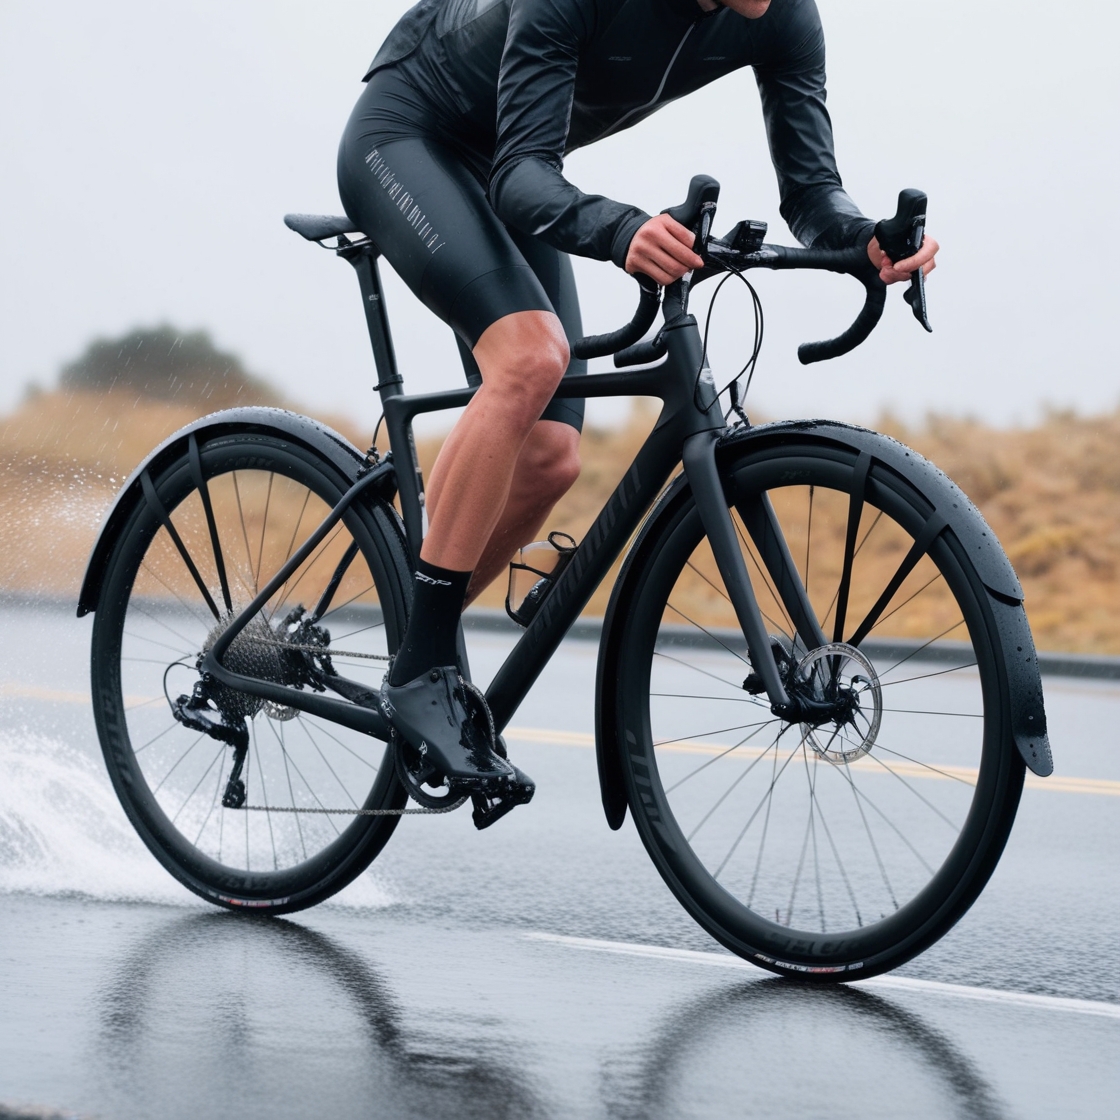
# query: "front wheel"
{"points": [[838, 848], [274, 826]]}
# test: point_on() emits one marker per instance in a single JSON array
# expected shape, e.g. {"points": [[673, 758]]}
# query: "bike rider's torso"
{"points": [[523, 82]]}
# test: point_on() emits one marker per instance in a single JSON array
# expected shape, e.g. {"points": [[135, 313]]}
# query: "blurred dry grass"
{"points": [[1051, 493]]}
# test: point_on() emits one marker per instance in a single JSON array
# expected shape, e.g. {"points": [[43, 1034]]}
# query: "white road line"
{"points": [[890, 983]]}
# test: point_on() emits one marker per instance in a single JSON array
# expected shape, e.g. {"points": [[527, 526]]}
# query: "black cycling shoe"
{"points": [[446, 721]]}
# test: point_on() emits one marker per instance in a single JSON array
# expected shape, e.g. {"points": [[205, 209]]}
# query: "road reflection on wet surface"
{"points": [[426, 989]]}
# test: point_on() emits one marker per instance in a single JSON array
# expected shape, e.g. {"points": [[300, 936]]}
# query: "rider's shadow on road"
{"points": [[220, 1015], [772, 1048]]}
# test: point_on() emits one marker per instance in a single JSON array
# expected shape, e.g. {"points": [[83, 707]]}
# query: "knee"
{"points": [[522, 358], [533, 373], [551, 460]]}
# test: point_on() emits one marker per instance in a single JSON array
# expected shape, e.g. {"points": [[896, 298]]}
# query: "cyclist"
{"points": [[453, 162]]}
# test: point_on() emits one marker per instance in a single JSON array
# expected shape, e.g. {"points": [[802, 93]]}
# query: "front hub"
{"points": [[839, 700]]}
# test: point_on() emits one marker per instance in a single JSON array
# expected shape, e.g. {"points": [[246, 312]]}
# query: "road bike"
{"points": [[817, 690]]}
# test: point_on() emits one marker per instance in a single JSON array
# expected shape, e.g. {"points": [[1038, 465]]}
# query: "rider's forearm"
{"points": [[825, 217], [532, 195], [792, 88]]}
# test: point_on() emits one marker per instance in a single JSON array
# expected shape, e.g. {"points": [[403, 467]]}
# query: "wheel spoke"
{"points": [[925, 765], [925, 646], [704, 630], [855, 513], [932, 529], [177, 762], [737, 687], [765, 797], [722, 754], [204, 493], [924, 800], [870, 838], [210, 812], [926, 676], [705, 734], [341, 784], [855, 556], [839, 863], [244, 531], [264, 530], [205, 773], [154, 503], [264, 798]]}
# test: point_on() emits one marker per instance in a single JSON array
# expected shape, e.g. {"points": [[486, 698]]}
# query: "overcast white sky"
{"points": [[150, 151]]}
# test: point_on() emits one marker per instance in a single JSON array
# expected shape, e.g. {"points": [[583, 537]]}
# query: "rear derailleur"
{"points": [[293, 654]]}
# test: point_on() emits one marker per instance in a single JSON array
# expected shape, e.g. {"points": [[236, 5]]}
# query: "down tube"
{"points": [[592, 560]]}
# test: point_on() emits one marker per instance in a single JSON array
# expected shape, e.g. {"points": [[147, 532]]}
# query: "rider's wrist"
{"points": [[620, 245]]}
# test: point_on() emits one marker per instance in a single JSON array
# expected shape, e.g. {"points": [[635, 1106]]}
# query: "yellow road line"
{"points": [[65, 696], [1055, 784], [1058, 783], [33, 692]]}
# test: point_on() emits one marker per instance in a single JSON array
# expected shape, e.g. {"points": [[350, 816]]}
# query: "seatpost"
{"points": [[364, 260]]}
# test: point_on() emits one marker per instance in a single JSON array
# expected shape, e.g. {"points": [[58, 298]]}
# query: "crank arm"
{"points": [[699, 457]]}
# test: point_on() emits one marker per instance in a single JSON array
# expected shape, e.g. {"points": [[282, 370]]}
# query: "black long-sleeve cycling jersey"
{"points": [[522, 82]]}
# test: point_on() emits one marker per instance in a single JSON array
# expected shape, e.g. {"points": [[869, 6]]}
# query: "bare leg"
{"points": [[545, 470], [522, 358]]}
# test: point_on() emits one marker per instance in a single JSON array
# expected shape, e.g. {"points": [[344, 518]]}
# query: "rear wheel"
{"points": [[838, 848], [261, 495]]}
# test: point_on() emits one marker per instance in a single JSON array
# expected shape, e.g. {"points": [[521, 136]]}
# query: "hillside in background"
{"points": [[1051, 493]]}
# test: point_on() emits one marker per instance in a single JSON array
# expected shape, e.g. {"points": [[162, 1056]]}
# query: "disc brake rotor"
{"points": [[841, 675]]}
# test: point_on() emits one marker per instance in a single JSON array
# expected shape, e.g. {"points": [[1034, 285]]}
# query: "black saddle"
{"points": [[316, 227]]}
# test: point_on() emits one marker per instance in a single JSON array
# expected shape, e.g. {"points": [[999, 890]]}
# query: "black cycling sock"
{"points": [[430, 638]]}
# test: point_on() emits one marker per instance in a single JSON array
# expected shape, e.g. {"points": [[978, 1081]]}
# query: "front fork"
{"points": [[699, 457]]}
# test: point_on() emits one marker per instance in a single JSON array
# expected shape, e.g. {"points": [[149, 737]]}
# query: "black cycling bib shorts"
{"points": [[406, 182]]}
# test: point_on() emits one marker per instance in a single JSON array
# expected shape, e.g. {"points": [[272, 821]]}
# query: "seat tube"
{"points": [[410, 483]]}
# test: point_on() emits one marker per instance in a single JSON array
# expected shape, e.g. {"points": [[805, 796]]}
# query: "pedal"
{"points": [[489, 808]]}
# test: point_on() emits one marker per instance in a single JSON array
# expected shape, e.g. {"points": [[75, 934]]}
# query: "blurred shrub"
{"points": [[166, 364]]}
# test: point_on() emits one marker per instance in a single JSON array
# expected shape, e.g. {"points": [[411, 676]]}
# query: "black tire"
{"points": [[846, 858], [267, 493]]}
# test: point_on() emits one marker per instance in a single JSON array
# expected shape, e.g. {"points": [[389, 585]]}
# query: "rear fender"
{"points": [[290, 425], [1005, 594]]}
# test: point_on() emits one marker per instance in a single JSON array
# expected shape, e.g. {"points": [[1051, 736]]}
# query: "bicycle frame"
{"points": [[688, 429], [690, 419]]}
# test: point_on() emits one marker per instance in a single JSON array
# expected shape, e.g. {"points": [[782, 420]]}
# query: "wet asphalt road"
{"points": [[538, 969]]}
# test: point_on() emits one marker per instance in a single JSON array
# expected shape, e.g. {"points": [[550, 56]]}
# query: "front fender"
{"points": [[318, 437], [1015, 643]]}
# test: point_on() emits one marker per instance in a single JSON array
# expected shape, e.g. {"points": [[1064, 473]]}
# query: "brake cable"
{"points": [[732, 387]]}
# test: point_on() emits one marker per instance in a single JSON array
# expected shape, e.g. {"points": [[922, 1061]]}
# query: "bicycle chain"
{"points": [[421, 811], [321, 650]]}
